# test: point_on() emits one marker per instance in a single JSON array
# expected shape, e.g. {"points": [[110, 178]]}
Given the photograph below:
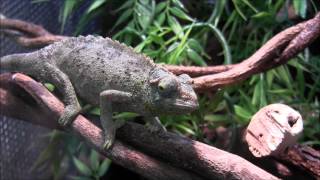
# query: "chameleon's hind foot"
{"points": [[69, 114]]}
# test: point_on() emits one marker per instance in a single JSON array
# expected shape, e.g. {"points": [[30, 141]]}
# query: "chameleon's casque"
{"points": [[109, 74]]}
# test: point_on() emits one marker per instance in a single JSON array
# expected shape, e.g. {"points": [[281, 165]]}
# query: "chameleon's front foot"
{"points": [[110, 134], [155, 126], [109, 138], [68, 115]]}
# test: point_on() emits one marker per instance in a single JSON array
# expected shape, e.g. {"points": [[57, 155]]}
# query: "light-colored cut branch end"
{"points": [[273, 129]]}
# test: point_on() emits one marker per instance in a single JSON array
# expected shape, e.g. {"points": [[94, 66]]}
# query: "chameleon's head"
{"points": [[172, 94]]}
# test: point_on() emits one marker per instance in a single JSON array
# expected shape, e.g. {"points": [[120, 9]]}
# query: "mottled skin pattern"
{"points": [[109, 74]]}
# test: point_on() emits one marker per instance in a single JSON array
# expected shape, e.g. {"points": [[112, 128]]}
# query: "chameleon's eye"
{"points": [[161, 87], [167, 86]]}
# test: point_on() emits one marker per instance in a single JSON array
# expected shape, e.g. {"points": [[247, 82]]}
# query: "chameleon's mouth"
{"points": [[186, 105]]}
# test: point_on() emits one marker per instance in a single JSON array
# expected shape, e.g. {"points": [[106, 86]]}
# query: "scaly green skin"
{"points": [[109, 74]]}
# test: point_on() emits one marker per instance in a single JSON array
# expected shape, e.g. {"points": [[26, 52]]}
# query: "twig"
{"points": [[195, 71], [206, 161]]}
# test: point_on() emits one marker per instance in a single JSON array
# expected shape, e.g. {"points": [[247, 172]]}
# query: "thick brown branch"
{"points": [[193, 156], [304, 157]]}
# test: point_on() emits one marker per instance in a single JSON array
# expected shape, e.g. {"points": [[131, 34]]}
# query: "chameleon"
{"points": [[108, 74]]}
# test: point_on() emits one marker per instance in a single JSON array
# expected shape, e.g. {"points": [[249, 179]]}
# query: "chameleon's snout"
{"points": [[187, 105]]}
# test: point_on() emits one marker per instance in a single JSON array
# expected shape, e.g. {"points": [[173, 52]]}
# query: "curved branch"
{"points": [[275, 52], [25, 27], [40, 106], [27, 34]]}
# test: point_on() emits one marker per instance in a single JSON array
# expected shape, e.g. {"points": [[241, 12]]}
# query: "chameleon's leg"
{"points": [[108, 125], [63, 84], [154, 125]]}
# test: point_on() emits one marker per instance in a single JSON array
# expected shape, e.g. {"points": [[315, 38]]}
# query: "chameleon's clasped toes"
{"points": [[156, 128], [69, 115], [109, 138]]}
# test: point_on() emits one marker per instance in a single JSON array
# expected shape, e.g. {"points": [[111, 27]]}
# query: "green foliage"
{"points": [[64, 148], [300, 6], [166, 32], [92, 170]]}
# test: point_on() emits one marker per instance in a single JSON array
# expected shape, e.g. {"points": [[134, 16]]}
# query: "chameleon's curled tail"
{"points": [[14, 62]]}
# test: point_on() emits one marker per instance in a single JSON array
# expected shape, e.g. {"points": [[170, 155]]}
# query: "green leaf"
{"points": [[179, 13], [281, 91], [179, 4], [263, 98], [145, 2], [125, 115], [160, 7], [247, 101], [125, 5], [195, 45], [140, 47], [238, 10], [250, 5], [217, 11], [175, 25], [161, 18], [195, 57], [284, 75], [124, 16], [79, 178], [96, 4], [185, 129], [82, 167], [144, 16], [85, 19], [259, 95], [262, 15], [68, 7], [94, 160], [172, 47], [216, 118], [242, 112], [95, 111], [270, 77], [104, 167], [300, 6], [156, 38], [256, 94], [49, 86], [301, 83]]}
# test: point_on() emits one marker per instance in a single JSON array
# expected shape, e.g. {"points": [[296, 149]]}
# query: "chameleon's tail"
{"points": [[13, 62]]}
